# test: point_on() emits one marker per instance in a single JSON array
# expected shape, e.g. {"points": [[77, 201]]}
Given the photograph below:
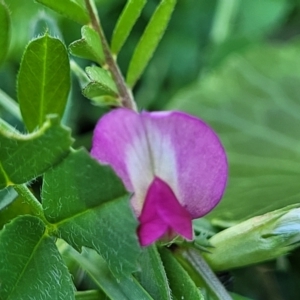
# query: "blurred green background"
{"points": [[233, 63]]}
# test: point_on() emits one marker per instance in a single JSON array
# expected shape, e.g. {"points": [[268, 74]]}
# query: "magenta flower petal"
{"points": [[179, 149], [162, 215]]}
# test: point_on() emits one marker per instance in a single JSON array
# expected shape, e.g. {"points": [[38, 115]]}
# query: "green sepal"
{"points": [[89, 206], [24, 157], [72, 9], [26, 251], [43, 80], [89, 47]]}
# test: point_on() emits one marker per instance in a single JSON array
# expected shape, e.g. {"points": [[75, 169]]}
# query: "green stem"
{"points": [[212, 281], [88, 295], [10, 105], [125, 94], [224, 17], [35, 205]]}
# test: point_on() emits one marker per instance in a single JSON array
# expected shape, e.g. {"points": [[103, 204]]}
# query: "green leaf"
{"points": [[182, 286], [90, 207], [5, 26], [31, 266], [72, 9], [98, 270], [43, 81], [24, 157], [149, 40], [101, 83], [152, 275], [126, 21], [89, 47], [252, 102]]}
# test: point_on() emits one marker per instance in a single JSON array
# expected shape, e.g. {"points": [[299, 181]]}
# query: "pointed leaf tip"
{"points": [[149, 40]]}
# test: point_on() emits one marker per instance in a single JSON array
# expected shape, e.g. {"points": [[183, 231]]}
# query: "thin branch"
{"points": [[10, 105], [125, 93], [212, 281], [28, 196]]}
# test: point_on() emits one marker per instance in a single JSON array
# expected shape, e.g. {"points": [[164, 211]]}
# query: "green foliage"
{"points": [[89, 46], [73, 9], [257, 239], [101, 85], [122, 288], [51, 144], [90, 200], [30, 253], [154, 280], [11, 206], [248, 93], [43, 81], [149, 40], [126, 21], [5, 25], [252, 103], [180, 282]]}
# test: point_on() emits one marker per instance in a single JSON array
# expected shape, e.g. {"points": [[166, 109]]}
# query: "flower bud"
{"points": [[258, 239]]}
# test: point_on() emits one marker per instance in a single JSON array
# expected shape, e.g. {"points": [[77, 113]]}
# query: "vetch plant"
{"points": [[117, 215]]}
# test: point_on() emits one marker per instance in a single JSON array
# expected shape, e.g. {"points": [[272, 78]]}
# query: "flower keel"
{"points": [[163, 215]]}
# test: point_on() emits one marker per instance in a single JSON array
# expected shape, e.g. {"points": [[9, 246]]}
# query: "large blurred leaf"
{"points": [[149, 40], [30, 264], [257, 17], [152, 275], [5, 30], [252, 101], [73, 9], [91, 208], [24, 157], [43, 81], [126, 21], [181, 284]]}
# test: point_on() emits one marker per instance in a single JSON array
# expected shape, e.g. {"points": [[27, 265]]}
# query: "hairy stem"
{"points": [[10, 105], [125, 94], [200, 265], [35, 205]]}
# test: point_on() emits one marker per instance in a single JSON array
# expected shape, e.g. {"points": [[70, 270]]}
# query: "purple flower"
{"points": [[173, 163]]}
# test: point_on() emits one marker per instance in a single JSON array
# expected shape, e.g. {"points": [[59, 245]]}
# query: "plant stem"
{"points": [[10, 105], [125, 94], [88, 295], [35, 205], [212, 281]]}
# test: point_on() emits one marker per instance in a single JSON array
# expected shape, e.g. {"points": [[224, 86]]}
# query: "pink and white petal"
{"points": [[197, 168], [120, 141]]}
